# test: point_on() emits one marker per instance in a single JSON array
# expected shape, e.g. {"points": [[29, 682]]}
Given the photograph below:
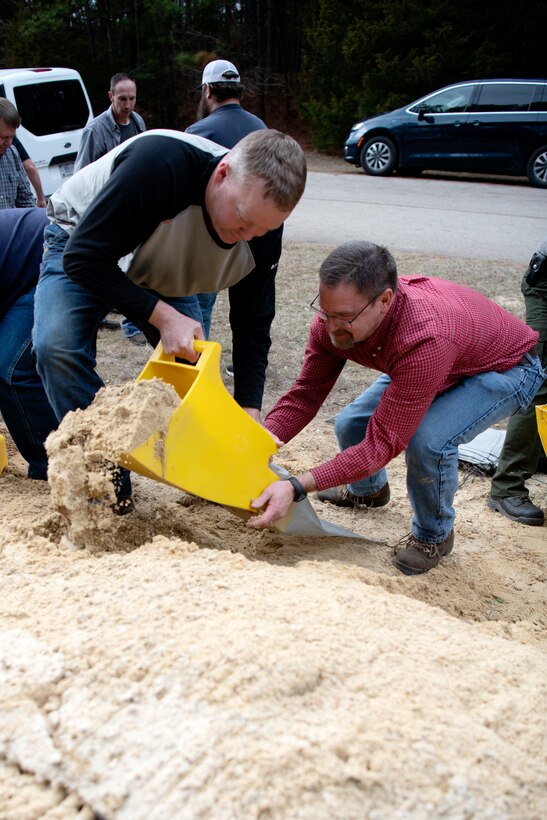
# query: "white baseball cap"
{"points": [[220, 71]]}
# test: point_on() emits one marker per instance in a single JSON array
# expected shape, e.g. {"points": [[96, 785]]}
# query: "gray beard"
{"points": [[342, 344]]}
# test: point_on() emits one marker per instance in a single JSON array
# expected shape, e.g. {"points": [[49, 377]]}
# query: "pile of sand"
{"points": [[180, 665], [183, 682]]}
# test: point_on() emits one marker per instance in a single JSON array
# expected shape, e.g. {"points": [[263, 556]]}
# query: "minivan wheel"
{"points": [[378, 157], [537, 167]]}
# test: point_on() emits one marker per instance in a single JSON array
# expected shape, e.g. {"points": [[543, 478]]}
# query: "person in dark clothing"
{"points": [[184, 209], [222, 119], [220, 113], [522, 448], [23, 402]]}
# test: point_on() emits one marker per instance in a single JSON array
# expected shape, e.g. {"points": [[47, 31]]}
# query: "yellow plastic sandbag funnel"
{"points": [[213, 448], [3, 455], [541, 415]]}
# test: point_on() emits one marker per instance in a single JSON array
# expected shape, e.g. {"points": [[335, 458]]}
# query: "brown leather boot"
{"points": [[413, 557], [342, 497]]}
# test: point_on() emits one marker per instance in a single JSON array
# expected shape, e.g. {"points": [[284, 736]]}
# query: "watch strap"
{"points": [[299, 492]]}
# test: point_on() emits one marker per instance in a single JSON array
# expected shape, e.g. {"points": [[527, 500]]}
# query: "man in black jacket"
{"points": [[184, 209]]}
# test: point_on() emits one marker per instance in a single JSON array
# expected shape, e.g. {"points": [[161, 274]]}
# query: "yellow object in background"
{"points": [[3, 455], [541, 414], [213, 448]]}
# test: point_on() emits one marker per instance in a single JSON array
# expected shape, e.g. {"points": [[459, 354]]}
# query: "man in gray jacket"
{"points": [[115, 125]]}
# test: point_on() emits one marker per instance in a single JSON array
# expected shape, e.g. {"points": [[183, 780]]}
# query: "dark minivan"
{"points": [[483, 126]]}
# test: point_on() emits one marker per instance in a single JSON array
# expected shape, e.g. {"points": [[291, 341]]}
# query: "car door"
{"points": [[501, 125], [434, 136]]}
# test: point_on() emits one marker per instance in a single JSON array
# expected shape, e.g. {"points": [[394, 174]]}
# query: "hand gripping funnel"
{"points": [[213, 448]]}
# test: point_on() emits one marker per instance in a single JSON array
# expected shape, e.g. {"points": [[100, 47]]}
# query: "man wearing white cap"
{"points": [[222, 119]]}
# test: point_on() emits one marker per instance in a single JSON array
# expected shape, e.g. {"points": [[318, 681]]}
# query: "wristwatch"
{"points": [[299, 492]]}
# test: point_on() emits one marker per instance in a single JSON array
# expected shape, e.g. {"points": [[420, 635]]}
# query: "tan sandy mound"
{"points": [[223, 687], [90, 441]]}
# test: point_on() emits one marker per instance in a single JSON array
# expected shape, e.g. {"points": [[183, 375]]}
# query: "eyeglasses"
{"points": [[325, 316]]}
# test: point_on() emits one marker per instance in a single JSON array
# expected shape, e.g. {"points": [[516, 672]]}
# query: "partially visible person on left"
{"points": [[23, 402], [31, 171], [452, 362], [14, 186]]}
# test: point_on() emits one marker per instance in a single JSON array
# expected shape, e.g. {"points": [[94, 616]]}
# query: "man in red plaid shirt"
{"points": [[453, 363]]}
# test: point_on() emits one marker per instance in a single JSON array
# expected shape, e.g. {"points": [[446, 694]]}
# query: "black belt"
{"points": [[524, 360]]}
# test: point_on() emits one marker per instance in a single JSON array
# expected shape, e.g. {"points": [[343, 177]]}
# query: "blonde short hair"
{"points": [[276, 159]]}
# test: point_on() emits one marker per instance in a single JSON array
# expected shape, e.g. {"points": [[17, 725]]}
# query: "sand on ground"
{"points": [[173, 663]]}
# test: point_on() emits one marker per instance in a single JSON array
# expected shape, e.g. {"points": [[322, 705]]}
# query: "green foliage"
{"points": [[362, 58], [341, 60]]}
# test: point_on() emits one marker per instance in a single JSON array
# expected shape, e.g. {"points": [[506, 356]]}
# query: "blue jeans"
{"points": [[207, 303], [454, 418], [66, 320], [23, 401]]}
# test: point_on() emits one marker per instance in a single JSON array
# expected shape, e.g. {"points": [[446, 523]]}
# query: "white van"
{"points": [[54, 108]]}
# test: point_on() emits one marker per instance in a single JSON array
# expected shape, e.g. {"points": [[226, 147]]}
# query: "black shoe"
{"points": [[342, 497], [517, 508], [121, 479], [413, 557], [123, 506], [109, 324]]}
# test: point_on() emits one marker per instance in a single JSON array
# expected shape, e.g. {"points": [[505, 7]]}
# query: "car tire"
{"points": [[536, 169], [378, 157]]}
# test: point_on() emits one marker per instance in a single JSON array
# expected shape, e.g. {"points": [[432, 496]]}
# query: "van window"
{"points": [[48, 108], [504, 97], [539, 103], [449, 101]]}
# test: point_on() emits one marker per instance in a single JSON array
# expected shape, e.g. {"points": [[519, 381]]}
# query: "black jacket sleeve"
{"points": [[252, 310]]}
